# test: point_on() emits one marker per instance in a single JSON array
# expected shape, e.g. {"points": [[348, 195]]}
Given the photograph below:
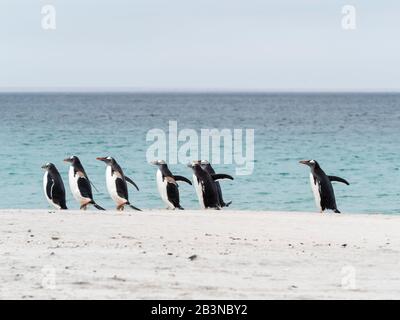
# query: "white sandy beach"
{"points": [[238, 255]]}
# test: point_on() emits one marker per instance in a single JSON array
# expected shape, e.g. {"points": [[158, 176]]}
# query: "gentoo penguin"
{"points": [[206, 166], [205, 187], [167, 185], [116, 183], [322, 187], [80, 184], [53, 186]]}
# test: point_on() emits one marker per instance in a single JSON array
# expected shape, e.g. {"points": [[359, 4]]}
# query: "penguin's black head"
{"points": [[158, 162], [204, 163], [107, 160], [311, 163], [48, 166], [72, 160], [195, 164]]}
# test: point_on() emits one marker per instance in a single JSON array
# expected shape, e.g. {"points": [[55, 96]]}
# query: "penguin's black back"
{"points": [[172, 188], [165, 171], [121, 185], [57, 189], [326, 191], [83, 184], [211, 171], [210, 193], [173, 194]]}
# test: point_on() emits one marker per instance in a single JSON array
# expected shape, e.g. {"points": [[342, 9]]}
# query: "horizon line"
{"points": [[188, 90]]}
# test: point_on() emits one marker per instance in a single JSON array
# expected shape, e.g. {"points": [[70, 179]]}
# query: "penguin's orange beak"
{"points": [[67, 160], [306, 162], [101, 158]]}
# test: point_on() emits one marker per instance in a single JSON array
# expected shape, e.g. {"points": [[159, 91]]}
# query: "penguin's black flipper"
{"points": [[180, 178], [98, 207], [84, 188], [131, 182], [133, 207], [218, 176], [334, 178]]}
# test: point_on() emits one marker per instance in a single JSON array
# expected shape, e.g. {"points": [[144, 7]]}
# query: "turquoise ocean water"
{"points": [[355, 136]]}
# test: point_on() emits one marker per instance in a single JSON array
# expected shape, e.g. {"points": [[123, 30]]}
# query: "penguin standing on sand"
{"points": [[322, 186], [205, 186], [206, 166], [53, 186], [80, 184], [167, 185], [117, 183]]}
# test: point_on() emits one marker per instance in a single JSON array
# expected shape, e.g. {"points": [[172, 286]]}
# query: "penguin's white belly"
{"points": [[315, 189], [73, 185], [45, 192], [112, 187], [199, 190], [162, 190]]}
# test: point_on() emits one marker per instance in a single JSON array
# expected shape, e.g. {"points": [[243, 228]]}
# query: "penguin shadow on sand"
{"points": [[321, 185]]}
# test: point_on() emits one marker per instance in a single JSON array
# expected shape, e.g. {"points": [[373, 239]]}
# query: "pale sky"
{"points": [[200, 45]]}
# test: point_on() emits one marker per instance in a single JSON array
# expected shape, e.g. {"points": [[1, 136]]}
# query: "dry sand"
{"points": [[235, 255]]}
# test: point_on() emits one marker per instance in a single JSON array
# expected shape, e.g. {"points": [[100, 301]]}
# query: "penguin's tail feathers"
{"points": [[336, 211], [180, 208], [98, 207], [133, 207], [227, 204]]}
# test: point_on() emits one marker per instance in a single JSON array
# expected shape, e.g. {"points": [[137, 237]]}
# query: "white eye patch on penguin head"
{"points": [[310, 163], [158, 162]]}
